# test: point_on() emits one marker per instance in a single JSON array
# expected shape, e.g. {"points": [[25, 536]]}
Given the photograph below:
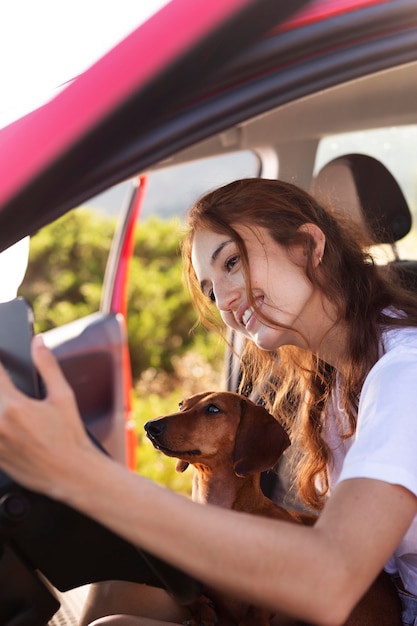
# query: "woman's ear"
{"points": [[319, 241]]}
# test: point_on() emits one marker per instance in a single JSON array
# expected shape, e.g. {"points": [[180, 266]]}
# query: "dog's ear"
{"points": [[181, 466], [260, 440]]}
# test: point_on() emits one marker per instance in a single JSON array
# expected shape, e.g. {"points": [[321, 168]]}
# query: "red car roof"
{"points": [[324, 9], [30, 143], [178, 48]]}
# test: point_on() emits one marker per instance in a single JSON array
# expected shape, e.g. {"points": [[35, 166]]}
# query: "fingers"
{"points": [[48, 368], [38, 439], [6, 385]]}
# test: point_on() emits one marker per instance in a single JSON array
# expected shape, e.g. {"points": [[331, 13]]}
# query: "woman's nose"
{"points": [[225, 297]]}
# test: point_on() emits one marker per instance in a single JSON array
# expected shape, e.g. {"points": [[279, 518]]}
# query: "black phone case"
{"points": [[16, 332]]}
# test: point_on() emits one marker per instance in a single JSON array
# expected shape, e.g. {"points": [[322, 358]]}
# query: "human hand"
{"points": [[41, 440]]}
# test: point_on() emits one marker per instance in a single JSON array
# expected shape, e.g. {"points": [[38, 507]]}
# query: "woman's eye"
{"points": [[230, 263]]}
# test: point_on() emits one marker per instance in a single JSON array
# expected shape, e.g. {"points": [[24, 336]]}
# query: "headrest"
{"points": [[362, 186]]}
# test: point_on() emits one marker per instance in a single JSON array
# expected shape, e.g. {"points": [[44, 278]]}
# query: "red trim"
{"points": [[131, 439], [119, 305], [132, 443], [119, 295], [325, 9]]}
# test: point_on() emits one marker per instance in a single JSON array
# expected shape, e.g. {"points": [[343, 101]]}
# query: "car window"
{"points": [[67, 261], [395, 147], [172, 190], [13, 265]]}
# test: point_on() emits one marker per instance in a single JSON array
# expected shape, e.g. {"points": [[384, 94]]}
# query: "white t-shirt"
{"points": [[384, 446]]}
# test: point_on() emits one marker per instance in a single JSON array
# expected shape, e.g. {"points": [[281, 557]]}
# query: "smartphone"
{"points": [[16, 332]]}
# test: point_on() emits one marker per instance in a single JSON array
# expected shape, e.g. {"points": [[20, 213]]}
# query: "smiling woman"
{"points": [[272, 260], [217, 256]]}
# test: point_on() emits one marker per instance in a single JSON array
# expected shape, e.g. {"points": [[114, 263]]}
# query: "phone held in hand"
{"points": [[16, 332]]}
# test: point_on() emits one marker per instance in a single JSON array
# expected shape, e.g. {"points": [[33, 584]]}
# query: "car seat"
{"points": [[364, 188]]}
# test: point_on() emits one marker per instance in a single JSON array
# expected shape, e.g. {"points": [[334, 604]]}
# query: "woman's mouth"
{"points": [[247, 315], [249, 312]]}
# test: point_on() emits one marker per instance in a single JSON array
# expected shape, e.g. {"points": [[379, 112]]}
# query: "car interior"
{"points": [[365, 115], [353, 144], [285, 142], [362, 187]]}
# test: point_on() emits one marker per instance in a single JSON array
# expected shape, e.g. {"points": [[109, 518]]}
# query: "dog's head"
{"points": [[214, 428]]}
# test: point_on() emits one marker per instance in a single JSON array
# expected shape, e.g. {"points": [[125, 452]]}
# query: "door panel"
{"points": [[90, 352]]}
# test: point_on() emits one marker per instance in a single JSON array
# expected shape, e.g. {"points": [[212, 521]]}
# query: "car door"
{"points": [[93, 351], [51, 161]]}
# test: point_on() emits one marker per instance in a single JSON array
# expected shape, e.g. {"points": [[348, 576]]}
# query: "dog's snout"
{"points": [[155, 428]]}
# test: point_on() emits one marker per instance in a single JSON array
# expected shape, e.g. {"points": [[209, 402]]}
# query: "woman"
{"points": [[332, 349]]}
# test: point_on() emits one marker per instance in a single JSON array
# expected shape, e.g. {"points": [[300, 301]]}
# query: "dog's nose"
{"points": [[155, 428]]}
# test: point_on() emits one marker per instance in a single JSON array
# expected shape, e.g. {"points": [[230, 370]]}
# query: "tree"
{"points": [[66, 267]]}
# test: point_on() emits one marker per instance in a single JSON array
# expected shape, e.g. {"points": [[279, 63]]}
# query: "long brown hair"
{"points": [[293, 383]]}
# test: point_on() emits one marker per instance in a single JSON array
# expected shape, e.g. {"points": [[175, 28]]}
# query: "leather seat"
{"points": [[363, 187]]}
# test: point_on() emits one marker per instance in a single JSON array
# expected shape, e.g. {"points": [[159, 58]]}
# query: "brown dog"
{"points": [[230, 440]]}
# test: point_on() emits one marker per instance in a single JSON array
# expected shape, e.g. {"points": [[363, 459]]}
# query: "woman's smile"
{"points": [[281, 292]]}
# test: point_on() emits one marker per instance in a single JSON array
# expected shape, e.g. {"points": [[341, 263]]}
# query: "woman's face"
{"points": [[279, 285]]}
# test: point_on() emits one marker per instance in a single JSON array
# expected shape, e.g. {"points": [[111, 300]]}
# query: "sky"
{"points": [[44, 43]]}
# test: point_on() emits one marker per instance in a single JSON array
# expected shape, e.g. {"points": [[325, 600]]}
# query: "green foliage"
{"points": [[151, 462], [65, 277], [66, 268], [161, 315]]}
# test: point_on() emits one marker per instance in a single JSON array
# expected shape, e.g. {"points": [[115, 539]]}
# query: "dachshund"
{"points": [[230, 441]]}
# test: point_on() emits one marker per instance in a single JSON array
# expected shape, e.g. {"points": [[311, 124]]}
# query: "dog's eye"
{"points": [[212, 408], [180, 405]]}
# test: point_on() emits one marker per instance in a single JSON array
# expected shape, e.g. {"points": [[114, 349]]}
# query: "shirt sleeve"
{"points": [[385, 442]]}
